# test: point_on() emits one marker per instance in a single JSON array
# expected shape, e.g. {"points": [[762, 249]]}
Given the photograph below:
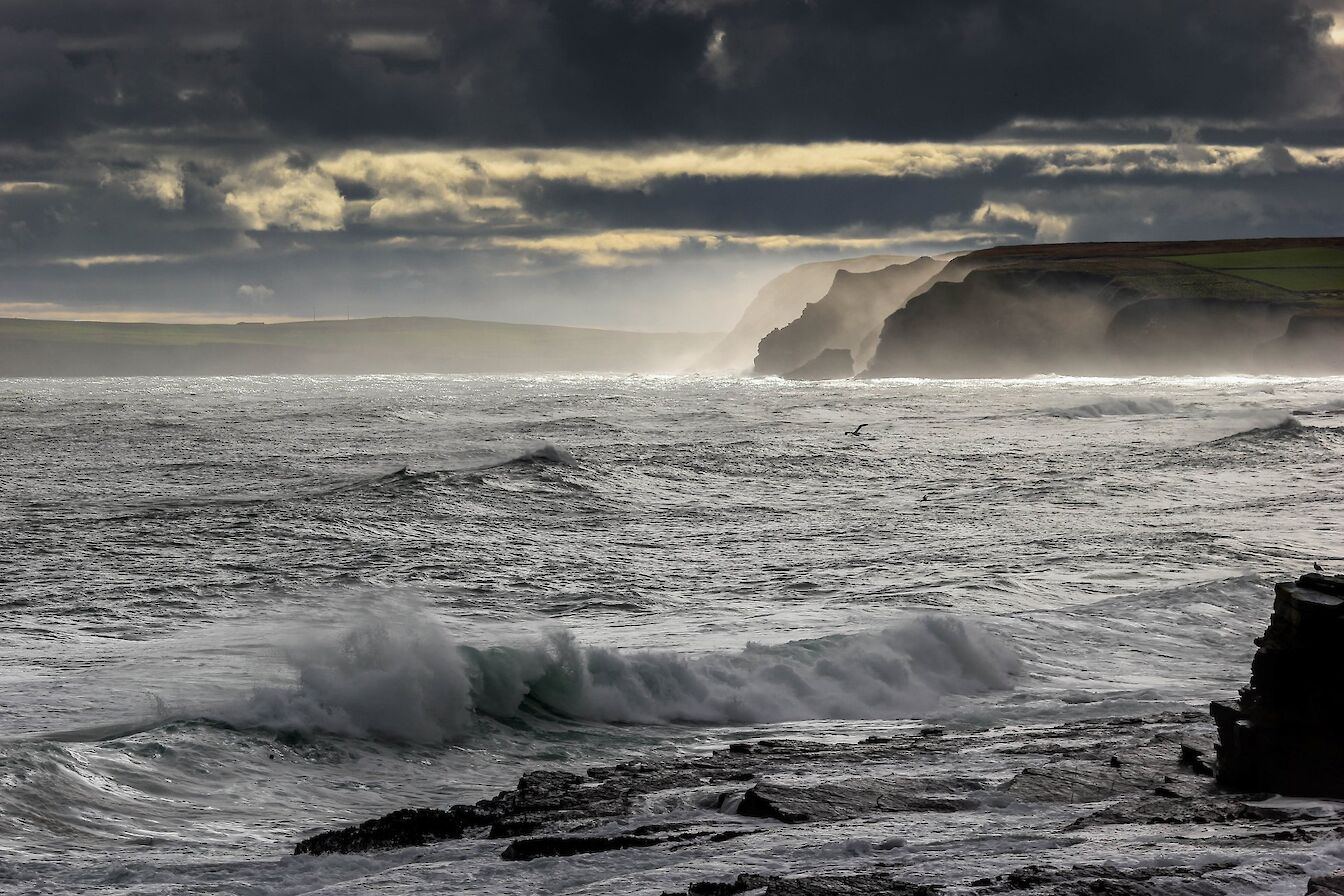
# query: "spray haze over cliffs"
{"points": [[1085, 308]]}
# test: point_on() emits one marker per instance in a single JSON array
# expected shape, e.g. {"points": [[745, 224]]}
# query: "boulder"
{"points": [[1285, 733]]}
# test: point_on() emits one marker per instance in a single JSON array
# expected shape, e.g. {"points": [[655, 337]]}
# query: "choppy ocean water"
{"points": [[239, 610]]}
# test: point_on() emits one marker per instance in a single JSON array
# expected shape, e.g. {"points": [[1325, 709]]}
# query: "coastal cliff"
{"points": [[1125, 308], [852, 309], [781, 301]]}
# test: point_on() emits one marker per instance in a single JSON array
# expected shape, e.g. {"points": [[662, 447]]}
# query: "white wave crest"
{"points": [[409, 681]]}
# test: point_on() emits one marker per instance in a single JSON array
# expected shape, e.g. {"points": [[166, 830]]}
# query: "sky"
{"points": [[644, 164]]}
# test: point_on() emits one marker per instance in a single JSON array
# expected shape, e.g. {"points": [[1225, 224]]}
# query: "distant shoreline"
{"points": [[40, 347]]}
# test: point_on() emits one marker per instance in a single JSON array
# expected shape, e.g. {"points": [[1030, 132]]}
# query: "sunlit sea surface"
{"points": [[239, 610]]}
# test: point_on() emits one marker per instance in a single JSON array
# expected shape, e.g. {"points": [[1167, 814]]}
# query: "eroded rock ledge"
{"points": [[1151, 771], [1286, 732]]}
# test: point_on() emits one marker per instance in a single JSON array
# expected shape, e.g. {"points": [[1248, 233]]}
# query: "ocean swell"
{"points": [[408, 681], [1117, 407]]}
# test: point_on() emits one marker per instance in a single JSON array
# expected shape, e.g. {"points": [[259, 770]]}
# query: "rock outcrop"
{"points": [[852, 309], [1285, 734], [780, 301]]}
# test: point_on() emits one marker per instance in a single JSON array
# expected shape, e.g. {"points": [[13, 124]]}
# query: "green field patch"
{"points": [[1296, 279], [1309, 257]]}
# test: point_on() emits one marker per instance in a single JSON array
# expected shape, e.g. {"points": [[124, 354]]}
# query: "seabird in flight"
{"points": [[856, 429]]}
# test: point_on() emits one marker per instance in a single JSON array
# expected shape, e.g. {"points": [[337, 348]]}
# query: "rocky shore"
{"points": [[1124, 806]]}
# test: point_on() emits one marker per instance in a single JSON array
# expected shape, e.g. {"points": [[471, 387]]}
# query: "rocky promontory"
{"points": [[780, 301], [845, 318], [1125, 309]]}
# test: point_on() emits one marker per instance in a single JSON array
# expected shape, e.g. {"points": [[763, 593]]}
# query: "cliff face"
{"points": [[1131, 308], [854, 306], [1313, 342], [993, 323], [1194, 335], [780, 301]]}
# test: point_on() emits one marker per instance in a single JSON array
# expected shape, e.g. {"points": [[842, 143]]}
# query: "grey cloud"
{"points": [[596, 71]]}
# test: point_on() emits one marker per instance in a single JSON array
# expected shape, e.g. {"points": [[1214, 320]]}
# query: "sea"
{"points": [[237, 611]]}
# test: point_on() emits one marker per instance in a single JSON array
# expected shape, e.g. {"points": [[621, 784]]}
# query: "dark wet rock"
{"points": [[1172, 807], [557, 803], [530, 848], [405, 827], [831, 364], [1326, 885], [541, 847], [1104, 880], [1197, 755], [873, 884], [834, 801], [742, 884], [1286, 732], [1087, 780], [1068, 766], [1042, 880]]}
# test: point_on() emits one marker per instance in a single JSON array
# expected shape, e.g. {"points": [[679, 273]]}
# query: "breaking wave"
{"points": [[1117, 407], [408, 680]]}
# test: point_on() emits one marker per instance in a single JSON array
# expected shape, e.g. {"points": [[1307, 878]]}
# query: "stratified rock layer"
{"points": [[1286, 732]]}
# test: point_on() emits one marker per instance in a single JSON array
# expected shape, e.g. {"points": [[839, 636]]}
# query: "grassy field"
{"points": [[1307, 257], [376, 345], [1303, 269]]}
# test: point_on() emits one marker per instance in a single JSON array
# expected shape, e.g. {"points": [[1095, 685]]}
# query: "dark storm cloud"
{"points": [[765, 205], [598, 71], [619, 161]]}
